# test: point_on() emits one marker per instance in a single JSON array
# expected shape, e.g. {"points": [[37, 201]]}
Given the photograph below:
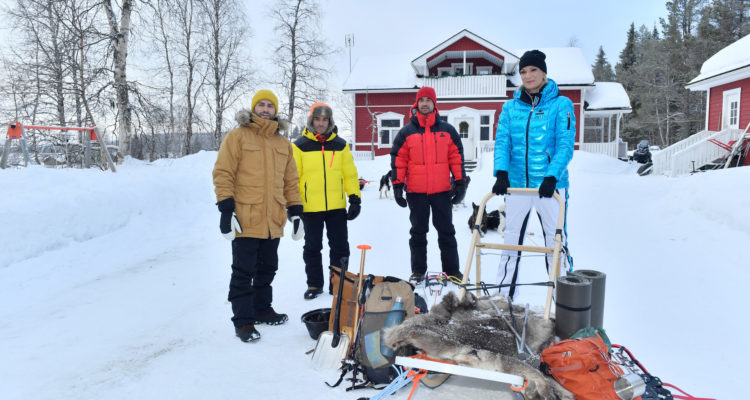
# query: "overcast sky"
{"points": [[414, 27]]}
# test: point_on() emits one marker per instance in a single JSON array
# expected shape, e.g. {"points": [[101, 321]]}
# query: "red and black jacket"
{"points": [[425, 153]]}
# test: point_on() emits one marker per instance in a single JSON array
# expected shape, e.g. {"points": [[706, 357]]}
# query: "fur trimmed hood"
{"points": [[245, 116]]}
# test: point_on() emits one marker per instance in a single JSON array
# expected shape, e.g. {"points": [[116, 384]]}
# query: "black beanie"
{"points": [[535, 58]]}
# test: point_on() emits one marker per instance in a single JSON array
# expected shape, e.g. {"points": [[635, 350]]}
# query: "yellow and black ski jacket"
{"points": [[327, 174]]}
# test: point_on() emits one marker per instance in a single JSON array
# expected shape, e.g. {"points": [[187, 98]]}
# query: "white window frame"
{"points": [[484, 70], [469, 66], [726, 108], [392, 130], [491, 115], [440, 71]]}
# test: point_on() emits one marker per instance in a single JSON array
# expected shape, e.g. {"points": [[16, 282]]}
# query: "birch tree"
{"points": [[228, 71], [119, 36], [188, 51], [301, 55], [43, 35]]}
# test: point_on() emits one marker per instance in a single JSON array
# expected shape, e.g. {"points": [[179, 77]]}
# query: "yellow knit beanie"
{"points": [[265, 94]]}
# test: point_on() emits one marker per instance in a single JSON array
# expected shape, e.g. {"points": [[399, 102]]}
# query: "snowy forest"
{"points": [[165, 77], [658, 61]]}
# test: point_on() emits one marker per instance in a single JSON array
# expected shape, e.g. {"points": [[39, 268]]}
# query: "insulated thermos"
{"points": [[395, 316]]}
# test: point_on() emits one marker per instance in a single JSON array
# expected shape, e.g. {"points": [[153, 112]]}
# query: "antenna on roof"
{"points": [[349, 43]]}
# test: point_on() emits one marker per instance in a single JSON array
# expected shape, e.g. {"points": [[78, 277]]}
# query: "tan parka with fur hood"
{"points": [[255, 166]]}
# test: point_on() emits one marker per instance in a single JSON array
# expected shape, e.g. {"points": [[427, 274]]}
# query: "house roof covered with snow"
{"points": [[566, 65], [378, 73], [731, 59], [607, 96]]}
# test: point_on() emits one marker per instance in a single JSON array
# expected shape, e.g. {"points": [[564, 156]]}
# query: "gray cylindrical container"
{"points": [[598, 283], [573, 305]]}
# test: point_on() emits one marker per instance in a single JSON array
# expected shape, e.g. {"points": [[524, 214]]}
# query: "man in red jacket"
{"points": [[425, 153]]}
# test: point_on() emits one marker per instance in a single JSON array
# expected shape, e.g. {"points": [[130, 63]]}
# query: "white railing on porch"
{"points": [[678, 158], [362, 154], [615, 148], [467, 86]]}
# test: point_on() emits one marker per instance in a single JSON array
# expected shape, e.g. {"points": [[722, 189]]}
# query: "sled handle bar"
{"points": [[555, 251]]}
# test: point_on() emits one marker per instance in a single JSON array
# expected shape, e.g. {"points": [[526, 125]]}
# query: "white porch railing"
{"points": [[362, 154], [678, 158], [613, 149], [467, 86]]}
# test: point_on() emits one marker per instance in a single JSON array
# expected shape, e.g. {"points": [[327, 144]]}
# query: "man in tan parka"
{"points": [[256, 184]]}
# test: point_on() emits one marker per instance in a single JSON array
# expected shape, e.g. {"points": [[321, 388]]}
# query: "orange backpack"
{"points": [[583, 367]]}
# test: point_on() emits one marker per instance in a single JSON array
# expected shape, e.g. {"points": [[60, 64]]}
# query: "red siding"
{"points": [[717, 99], [465, 44], [401, 103], [385, 99], [364, 126]]}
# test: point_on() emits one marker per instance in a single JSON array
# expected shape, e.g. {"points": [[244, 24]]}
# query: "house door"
{"points": [[731, 110], [467, 132]]}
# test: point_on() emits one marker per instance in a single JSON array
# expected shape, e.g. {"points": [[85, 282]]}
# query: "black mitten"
{"points": [[398, 194], [293, 211], [226, 207], [501, 184], [547, 188], [459, 191], [354, 207]]}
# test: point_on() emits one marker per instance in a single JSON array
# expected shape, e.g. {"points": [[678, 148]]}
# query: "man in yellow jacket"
{"points": [[255, 180], [327, 176]]}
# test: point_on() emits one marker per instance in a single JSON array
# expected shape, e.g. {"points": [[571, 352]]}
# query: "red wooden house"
{"points": [[473, 78], [725, 77]]}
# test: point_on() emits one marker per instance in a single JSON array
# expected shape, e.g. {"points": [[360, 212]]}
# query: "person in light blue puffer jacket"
{"points": [[533, 146]]}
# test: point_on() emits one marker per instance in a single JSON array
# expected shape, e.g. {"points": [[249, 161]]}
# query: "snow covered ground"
{"points": [[113, 286]]}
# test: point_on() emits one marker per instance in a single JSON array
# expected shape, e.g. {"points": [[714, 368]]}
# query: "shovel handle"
{"points": [[337, 313], [364, 249]]}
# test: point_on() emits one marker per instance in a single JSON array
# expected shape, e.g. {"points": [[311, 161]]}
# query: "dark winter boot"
{"points": [[457, 275], [417, 277], [247, 333], [312, 292], [271, 318]]}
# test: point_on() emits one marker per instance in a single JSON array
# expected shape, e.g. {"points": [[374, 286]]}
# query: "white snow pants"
{"points": [[517, 212]]}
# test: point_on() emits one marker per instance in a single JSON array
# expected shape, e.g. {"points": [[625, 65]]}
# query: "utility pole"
{"points": [[349, 43]]}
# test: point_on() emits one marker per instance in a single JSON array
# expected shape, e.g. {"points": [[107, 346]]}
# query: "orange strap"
{"points": [[521, 388], [422, 372], [417, 376]]}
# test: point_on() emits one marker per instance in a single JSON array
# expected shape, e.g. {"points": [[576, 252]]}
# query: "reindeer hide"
{"points": [[470, 333]]}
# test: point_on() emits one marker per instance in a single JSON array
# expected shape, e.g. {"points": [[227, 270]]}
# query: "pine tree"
{"points": [[627, 55], [601, 68]]}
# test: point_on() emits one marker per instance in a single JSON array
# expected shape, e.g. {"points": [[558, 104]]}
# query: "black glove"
{"points": [[547, 188], [501, 184], [226, 207], [354, 207], [293, 211], [459, 191], [398, 194]]}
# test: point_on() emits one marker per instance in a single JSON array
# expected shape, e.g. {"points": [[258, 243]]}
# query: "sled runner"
{"points": [[476, 243]]}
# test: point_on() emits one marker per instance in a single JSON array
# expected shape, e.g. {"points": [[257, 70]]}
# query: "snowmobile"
{"points": [[642, 155]]}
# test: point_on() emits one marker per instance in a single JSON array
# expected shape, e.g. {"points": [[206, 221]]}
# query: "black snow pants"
{"points": [[338, 242], [254, 265], [420, 205]]}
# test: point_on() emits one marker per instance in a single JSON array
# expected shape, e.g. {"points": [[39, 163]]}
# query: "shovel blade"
{"points": [[326, 356]]}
